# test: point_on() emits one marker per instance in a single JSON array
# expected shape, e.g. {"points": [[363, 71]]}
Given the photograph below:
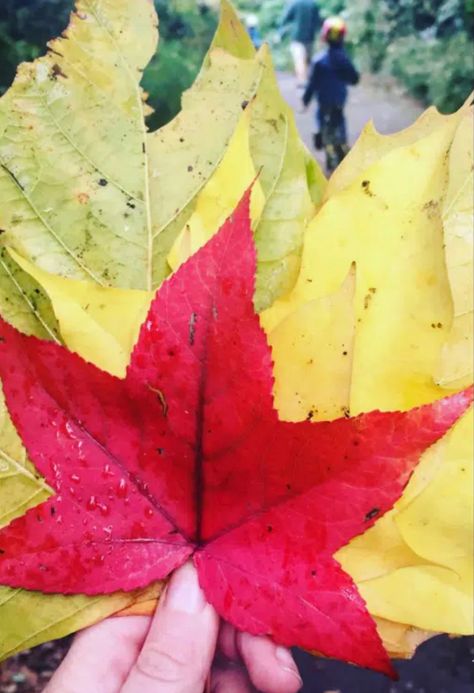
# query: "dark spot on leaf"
{"points": [[269, 529], [2, 339], [2, 551], [57, 72], [103, 182], [2, 231], [367, 300], [313, 573], [366, 188], [274, 123], [431, 208], [190, 168], [192, 328], [52, 510], [131, 204], [344, 353], [244, 105], [371, 514], [288, 487], [310, 415]]}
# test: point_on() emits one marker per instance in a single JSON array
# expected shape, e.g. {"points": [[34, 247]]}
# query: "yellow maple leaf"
{"points": [[389, 218]]}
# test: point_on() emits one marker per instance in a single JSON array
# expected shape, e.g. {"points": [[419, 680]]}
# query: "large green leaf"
{"points": [[73, 148], [279, 154], [86, 192], [187, 151]]}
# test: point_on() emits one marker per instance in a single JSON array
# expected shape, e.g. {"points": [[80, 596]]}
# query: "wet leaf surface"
{"points": [[186, 457]]}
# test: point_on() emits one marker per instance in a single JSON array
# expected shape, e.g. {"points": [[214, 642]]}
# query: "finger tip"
{"points": [[271, 667]]}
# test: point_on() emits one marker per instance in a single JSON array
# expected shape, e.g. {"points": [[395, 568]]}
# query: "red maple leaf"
{"points": [[186, 456]]}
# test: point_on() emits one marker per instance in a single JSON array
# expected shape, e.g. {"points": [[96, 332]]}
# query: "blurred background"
{"points": [[425, 44], [411, 53]]}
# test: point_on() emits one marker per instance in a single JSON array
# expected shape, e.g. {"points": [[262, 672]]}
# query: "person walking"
{"points": [[303, 21], [331, 72]]}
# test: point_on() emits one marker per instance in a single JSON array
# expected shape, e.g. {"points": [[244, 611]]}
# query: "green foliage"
{"points": [[186, 29], [451, 65], [426, 44], [25, 26]]}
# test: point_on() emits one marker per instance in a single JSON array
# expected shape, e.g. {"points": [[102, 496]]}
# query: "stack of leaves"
{"points": [[169, 433]]}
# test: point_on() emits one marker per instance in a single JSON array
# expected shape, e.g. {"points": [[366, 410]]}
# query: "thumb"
{"points": [[179, 648]]}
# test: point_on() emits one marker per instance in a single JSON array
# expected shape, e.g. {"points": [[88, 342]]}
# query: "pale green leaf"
{"points": [[21, 487], [231, 35], [31, 618], [86, 192], [23, 303], [73, 148]]}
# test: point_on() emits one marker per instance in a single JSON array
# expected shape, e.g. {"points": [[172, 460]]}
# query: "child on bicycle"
{"points": [[331, 72]]}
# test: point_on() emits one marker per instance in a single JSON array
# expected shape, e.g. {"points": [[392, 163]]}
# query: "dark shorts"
{"points": [[332, 125]]}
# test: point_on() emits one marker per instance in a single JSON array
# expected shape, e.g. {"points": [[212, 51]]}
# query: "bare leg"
{"points": [[300, 61]]}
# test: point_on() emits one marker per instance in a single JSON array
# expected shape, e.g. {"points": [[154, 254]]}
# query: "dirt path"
{"points": [[379, 99]]}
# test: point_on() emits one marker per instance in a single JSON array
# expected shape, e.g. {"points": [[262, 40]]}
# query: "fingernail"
{"points": [[183, 592], [286, 661]]}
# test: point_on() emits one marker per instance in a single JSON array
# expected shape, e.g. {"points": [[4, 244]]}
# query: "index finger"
{"points": [[179, 648]]}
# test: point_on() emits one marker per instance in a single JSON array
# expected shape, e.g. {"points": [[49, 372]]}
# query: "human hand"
{"points": [[181, 649]]}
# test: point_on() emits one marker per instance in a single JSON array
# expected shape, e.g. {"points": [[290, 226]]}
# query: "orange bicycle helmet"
{"points": [[334, 30]]}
